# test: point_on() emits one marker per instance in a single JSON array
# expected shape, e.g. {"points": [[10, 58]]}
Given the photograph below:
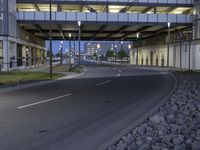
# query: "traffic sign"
{"points": [[180, 36]]}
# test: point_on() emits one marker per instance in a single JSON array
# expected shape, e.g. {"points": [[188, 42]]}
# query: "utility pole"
{"points": [[168, 42], [137, 37], [50, 38], [79, 42]]}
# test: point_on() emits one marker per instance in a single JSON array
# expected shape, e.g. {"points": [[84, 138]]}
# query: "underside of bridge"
{"points": [[101, 30]]}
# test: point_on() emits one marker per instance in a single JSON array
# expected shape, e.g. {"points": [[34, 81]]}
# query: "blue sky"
{"points": [[56, 45]]}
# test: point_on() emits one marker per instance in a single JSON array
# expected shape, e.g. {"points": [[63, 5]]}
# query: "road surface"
{"points": [[81, 113]]}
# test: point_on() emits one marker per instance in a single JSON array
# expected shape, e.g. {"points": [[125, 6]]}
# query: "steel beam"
{"points": [[36, 7], [37, 26], [98, 32], [61, 32]]}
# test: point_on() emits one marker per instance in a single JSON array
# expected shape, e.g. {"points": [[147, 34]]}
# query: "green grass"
{"points": [[14, 77], [65, 68]]}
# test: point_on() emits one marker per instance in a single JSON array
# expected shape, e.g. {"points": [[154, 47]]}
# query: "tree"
{"points": [[58, 55], [95, 56], [110, 53], [122, 53], [48, 53]]}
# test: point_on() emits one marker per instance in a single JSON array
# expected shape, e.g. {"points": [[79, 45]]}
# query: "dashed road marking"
{"points": [[118, 75], [44, 101], [102, 83]]}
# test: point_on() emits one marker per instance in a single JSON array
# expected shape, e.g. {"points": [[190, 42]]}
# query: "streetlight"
{"points": [[168, 42], [115, 52], [79, 41], [50, 37], [121, 51], [129, 46], [190, 40], [61, 53], [70, 35], [98, 47], [137, 35]]}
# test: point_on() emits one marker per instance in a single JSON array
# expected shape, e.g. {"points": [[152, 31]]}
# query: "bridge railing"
{"points": [[125, 18], [124, 1]]}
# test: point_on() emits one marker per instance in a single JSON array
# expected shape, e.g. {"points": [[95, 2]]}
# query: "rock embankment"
{"points": [[176, 125]]}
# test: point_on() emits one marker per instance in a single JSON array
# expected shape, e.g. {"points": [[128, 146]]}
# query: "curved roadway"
{"points": [[82, 113]]}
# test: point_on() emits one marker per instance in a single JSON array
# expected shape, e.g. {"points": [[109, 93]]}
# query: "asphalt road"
{"points": [[81, 113]]}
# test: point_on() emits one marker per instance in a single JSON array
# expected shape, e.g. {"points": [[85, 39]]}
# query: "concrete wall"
{"points": [[179, 54]]}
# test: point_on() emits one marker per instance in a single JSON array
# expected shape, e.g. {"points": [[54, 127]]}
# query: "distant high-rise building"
{"points": [[102, 47]]}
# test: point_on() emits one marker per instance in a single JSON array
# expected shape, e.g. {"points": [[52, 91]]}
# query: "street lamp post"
{"points": [[70, 49], [61, 53], [190, 40], [168, 42], [129, 47], [137, 37], [98, 48], [50, 37], [121, 51], [79, 42], [115, 52]]}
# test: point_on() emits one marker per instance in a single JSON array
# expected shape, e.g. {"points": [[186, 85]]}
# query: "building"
{"points": [[163, 32], [19, 48], [102, 47]]}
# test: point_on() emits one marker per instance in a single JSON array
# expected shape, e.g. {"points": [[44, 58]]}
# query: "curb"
{"points": [[142, 119], [29, 85]]}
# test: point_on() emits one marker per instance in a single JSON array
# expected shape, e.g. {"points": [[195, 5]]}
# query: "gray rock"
{"points": [[189, 141], [148, 138], [177, 140], [144, 147], [167, 139], [141, 130], [132, 146], [171, 118], [196, 145], [128, 138], [156, 119], [180, 147], [139, 142], [121, 145]]}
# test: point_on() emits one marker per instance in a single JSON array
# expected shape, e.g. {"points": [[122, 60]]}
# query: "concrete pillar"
{"points": [[13, 54], [6, 55], [24, 56], [131, 57]]}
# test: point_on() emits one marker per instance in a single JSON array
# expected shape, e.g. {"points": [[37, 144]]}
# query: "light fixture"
{"points": [[168, 24], [79, 23], [98, 46], [137, 35], [129, 46], [70, 35]]}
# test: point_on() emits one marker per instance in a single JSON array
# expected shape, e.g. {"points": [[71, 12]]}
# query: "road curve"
{"points": [[81, 113]]}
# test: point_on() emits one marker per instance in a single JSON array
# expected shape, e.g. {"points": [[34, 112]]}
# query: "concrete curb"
{"points": [[23, 86], [142, 119]]}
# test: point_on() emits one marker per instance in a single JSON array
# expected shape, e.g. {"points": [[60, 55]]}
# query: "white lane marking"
{"points": [[102, 83], [119, 70], [118, 75], [44, 101]]}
